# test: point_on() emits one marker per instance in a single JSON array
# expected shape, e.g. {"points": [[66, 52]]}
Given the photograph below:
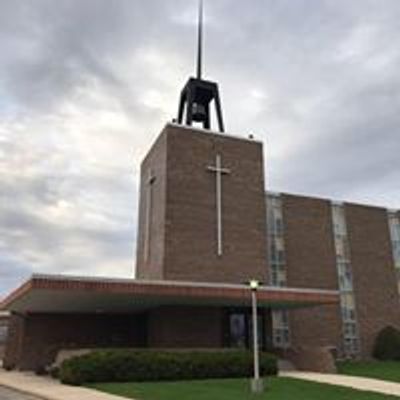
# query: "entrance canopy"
{"points": [[67, 294]]}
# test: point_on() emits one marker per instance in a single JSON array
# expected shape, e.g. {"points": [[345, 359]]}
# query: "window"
{"points": [[394, 228], [351, 346], [3, 333], [394, 225], [342, 248], [277, 265], [280, 330]]}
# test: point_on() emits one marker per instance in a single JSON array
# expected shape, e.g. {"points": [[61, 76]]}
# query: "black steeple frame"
{"points": [[195, 101], [197, 94]]}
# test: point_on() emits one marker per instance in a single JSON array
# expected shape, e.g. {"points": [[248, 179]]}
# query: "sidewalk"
{"points": [[355, 382], [49, 389]]}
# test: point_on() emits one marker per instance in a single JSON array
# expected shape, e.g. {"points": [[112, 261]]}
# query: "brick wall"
{"points": [[374, 278], [314, 358], [16, 329], [311, 263], [35, 339], [150, 265], [185, 327]]}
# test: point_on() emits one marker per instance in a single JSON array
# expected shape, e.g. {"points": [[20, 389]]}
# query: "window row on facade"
{"points": [[351, 345]]}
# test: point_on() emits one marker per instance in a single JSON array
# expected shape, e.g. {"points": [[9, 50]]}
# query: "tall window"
{"points": [[394, 227], [3, 333], [351, 341], [277, 265]]}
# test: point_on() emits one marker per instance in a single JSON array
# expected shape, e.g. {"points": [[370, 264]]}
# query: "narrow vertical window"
{"points": [[3, 332], [277, 265], [394, 228], [351, 341]]}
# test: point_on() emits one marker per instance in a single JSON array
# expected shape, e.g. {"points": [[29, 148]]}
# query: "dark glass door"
{"points": [[240, 329]]}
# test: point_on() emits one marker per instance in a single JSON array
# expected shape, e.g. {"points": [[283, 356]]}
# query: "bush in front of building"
{"points": [[149, 365], [387, 344]]}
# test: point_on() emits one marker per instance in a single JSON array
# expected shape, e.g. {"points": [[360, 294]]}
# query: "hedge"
{"points": [[150, 365], [387, 344]]}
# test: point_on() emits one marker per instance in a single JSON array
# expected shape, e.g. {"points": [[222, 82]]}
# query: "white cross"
{"points": [[149, 200], [219, 171]]}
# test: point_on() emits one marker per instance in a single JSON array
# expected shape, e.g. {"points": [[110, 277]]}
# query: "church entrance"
{"points": [[239, 329]]}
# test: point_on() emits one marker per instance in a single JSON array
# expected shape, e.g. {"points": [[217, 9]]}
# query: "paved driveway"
{"points": [[7, 394]]}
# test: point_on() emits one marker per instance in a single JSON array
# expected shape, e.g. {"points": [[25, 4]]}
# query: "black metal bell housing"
{"points": [[196, 97], [199, 112]]}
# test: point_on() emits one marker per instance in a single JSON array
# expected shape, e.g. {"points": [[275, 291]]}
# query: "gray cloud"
{"points": [[86, 86]]}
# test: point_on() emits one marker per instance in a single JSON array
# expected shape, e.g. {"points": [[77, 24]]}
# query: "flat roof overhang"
{"points": [[68, 294]]}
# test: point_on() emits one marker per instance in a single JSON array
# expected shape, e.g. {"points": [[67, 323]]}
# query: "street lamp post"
{"points": [[256, 382]]}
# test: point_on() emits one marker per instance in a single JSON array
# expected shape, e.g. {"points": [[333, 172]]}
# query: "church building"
{"points": [[208, 224]]}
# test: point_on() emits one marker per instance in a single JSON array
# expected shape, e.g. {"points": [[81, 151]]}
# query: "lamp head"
{"points": [[254, 284]]}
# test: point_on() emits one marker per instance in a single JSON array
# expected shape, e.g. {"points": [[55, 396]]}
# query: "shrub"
{"points": [[387, 344], [148, 365]]}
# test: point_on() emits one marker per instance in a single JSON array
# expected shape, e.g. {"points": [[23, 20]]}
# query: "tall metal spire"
{"points": [[200, 40], [197, 94]]}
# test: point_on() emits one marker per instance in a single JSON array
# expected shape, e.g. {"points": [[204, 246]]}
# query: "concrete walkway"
{"points": [[355, 382], [49, 389], [9, 394]]}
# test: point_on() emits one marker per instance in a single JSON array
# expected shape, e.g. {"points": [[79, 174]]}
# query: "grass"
{"points": [[235, 389], [385, 370]]}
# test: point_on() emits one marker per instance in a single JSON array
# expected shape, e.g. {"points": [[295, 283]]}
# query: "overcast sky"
{"points": [[86, 86]]}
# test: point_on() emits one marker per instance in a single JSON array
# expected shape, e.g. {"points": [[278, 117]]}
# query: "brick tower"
{"points": [[202, 208]]}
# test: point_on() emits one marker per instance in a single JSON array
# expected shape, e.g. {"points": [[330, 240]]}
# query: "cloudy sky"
{"points": [[86, 86]]}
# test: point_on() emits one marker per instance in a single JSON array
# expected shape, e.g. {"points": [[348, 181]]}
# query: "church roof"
{"points": [[56, 293]]}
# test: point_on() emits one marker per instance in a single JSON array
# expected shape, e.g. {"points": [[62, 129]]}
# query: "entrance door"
{"points": [[240, 329]]}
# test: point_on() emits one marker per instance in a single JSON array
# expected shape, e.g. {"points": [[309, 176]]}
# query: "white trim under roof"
{"points": [[214, 285]]}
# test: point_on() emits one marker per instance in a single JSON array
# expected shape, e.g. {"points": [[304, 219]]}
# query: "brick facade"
{"points": [[35, 339], [150, 265], [311, 263], [186, 327], [186, 228], [177, 241], [12, 353], [374, 277], [187, 224], [313, 358]]}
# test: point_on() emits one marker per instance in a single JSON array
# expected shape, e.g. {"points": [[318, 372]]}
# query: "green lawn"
{"points": [[235, 389], [386, 370]]}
